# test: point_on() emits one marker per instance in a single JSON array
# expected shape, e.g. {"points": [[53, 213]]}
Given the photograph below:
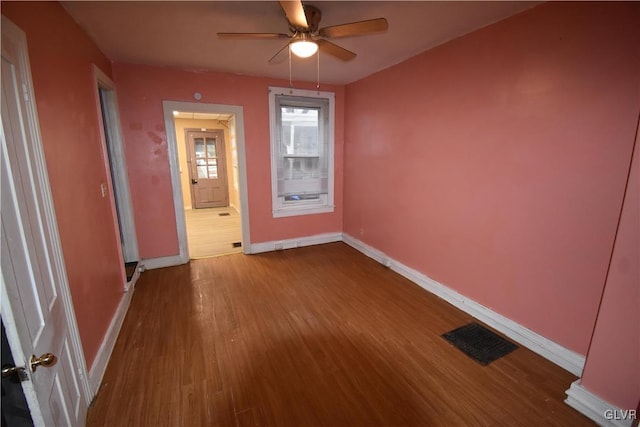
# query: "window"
{"points": [[301, 124]]}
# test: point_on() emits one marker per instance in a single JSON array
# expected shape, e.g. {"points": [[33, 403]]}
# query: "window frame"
{"points": [[325, 203]]}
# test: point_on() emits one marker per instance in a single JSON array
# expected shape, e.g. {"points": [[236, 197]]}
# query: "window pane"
{"points": [[212, 162], [300, 133], [202, 172], [199, 145], [213, 172], [211, 147], [300, 167]]}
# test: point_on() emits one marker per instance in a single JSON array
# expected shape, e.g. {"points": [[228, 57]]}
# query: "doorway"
{"points": [[208, 173], [208, 142], [115, 162]]}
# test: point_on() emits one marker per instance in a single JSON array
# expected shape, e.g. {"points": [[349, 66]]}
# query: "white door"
{"points": [[36, 307]]}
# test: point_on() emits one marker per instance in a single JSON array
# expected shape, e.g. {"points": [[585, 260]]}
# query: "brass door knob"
{"points": [[45, 360]]}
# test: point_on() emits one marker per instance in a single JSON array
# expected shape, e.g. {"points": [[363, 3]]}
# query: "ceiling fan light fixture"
{"points": [[305, 37], [303, 47]]}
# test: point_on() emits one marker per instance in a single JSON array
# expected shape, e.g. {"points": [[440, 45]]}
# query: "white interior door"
{"points": [[36, 307]]}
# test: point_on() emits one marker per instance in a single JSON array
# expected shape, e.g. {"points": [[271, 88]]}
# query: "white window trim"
{"points": [[325, 204]]}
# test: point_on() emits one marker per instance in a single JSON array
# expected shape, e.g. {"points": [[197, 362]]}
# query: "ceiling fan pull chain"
{"points": [[290, 83], [318, 82]]}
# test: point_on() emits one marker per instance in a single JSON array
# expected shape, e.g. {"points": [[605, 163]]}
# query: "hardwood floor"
{"points": [[316, 336], [210, 234]]}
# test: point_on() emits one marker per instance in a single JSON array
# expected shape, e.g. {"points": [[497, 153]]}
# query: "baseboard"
{"points": [[255, 248], [169, 261], [601, 412], [369, 251], [299, 242], [561, 356], [104, 352]]}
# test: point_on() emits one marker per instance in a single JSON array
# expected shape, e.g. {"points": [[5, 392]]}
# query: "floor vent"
{"points": [[237, 244], [479, 343], [224, 214]]}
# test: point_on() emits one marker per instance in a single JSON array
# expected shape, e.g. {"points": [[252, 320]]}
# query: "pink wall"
{"points": [[61, 56], [141, 90], [612, 370], [496, 163]]}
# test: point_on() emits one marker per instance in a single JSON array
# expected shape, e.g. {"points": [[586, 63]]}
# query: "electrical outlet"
{"points": [[103, 189], [279, 246]]}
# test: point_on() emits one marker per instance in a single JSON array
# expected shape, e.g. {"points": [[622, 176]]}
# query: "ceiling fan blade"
{"points": [[355, 28], [280, 56], [251, 36], [295, 13], [335, 50]]}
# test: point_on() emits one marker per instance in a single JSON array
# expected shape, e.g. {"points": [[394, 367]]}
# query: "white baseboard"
{"points": [[254, 248], [561, 356], [299, 242], [169, 261], [104, 352], [369, 251], [601, 412]]}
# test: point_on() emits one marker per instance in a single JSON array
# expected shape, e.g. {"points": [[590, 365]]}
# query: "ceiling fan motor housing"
{"points": [[313, 16]]}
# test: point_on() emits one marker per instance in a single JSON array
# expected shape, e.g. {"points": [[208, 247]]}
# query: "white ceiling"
{"points": [[183, 34]]}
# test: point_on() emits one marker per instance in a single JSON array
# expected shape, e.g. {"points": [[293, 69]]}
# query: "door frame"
{"points": [[116, 165], [49, 233], [168, 108], [190, 152]]}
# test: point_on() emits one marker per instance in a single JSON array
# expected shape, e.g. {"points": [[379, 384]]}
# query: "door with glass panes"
{"points": [[207, 169]]}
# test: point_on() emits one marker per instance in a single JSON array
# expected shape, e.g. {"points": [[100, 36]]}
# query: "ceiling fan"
{"points": [[305, 38]]}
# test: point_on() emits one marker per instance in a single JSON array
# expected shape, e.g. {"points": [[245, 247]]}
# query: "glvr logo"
{"points": [[620, 414]]}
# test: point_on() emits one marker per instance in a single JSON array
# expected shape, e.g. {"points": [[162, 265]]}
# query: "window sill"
{"points": [[301, 210]]}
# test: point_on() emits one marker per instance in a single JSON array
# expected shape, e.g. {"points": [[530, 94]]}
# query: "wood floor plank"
{"points": [[210, 234], [316, 336]]}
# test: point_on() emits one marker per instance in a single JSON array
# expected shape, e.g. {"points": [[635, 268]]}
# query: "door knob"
{"points": [[194, 181], [45, 360]]}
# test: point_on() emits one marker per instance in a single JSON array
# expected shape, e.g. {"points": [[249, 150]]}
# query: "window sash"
{"points": [[304, 193], [305, 171]]}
